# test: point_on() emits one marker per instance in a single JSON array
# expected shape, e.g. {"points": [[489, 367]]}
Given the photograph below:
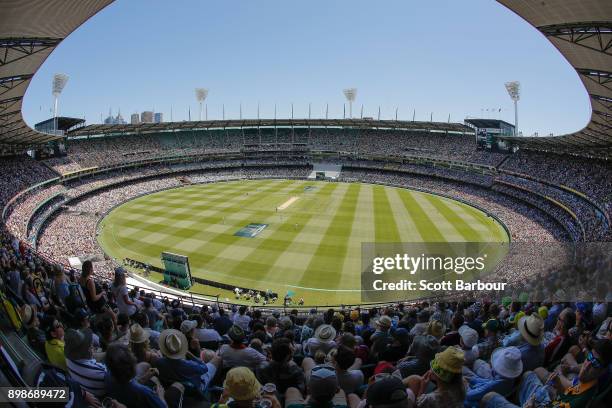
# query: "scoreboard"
{"points": [[176, 270]]}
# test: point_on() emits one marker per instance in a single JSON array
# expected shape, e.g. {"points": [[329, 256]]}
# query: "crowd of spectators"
{"points": [[589, 176], [125, 347]]}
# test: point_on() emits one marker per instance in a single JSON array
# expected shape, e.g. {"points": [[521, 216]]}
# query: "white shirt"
{"points": [[120, 293]]}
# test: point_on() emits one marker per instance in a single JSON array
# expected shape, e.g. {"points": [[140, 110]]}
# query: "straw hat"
{"points": [[138, 334], [325, 333], [532, 328], [384, 322], [173, 344]]}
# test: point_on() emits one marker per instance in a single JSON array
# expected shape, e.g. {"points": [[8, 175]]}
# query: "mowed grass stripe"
{"points": [[269, 250], [176, 235], [328, 259], [423, 223], [446, 229], [385, 226], [453, 218], [302, 249], [362, 231], [405, 224], [488, 228]]}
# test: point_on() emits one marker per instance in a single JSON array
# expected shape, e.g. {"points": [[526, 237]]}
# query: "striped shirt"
{"points": [[90, 374]]}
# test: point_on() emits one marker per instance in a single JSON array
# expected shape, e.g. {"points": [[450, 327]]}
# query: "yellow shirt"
{"points": [[55, 353]]}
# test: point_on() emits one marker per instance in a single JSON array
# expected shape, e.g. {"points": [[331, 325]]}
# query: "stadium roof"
{"points": [[580, 29], [254, 123], [29, 31], [61, 122], [488, 123]]}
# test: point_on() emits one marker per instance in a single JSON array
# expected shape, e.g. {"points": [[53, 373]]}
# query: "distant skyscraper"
{"points": [[119, 119], [114, 120], [135, 119], [159, 117], [146, 117]]}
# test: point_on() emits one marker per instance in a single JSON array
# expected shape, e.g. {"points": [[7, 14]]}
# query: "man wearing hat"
{"points": [[531, 332], [323, 390], [177, 365], [323, 340], [81, 363], [506, 367], [237, 353]]}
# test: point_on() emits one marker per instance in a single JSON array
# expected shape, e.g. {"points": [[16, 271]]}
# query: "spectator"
{"points": [[242, 319], [177, 365], [561, 343], [139, 345], [81, 363], [120, 292], [54, 346], [36, 336], [420, 354], [389, 392], [445, 372], [350, 378], [323, 340], [491, 340], [282, 370], [506, 366], [222, 323], [238, 354], [243, 388], [467, 341], [121, 385], [540, 388], [323, 391]]}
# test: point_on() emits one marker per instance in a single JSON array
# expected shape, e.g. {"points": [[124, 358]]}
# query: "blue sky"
{"points": [[441, 56]]}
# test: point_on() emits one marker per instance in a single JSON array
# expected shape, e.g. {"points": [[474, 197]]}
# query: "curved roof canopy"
{"points": [[580, 29]]}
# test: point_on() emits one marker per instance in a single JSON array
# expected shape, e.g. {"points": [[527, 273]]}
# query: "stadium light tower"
{"points": [[59, 82], [514, 90], [201, 94], [350, 94]]}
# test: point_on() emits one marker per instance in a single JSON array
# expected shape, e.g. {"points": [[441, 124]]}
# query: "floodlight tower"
{"points": [[201, 94], [514, 90], [350, 94], [59, 82]]}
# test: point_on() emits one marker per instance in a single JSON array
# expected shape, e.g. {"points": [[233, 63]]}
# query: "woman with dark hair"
{"points": [[95, 296]]}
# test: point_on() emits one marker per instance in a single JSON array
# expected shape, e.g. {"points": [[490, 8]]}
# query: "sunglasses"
{"points": [[595, 362]]}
